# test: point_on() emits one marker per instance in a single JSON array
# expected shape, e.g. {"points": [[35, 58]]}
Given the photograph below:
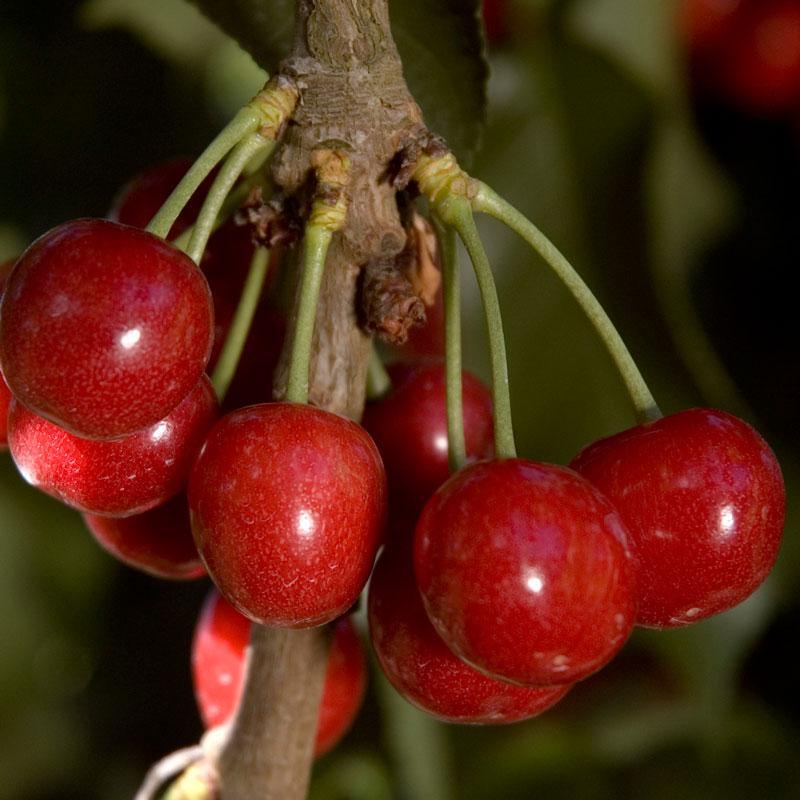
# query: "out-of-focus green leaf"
{"points": [[441, 46], [354, 776], [689, 201], [172, 27]]}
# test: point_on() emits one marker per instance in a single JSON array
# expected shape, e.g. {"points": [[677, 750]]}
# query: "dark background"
{"points": [[679, 209]]}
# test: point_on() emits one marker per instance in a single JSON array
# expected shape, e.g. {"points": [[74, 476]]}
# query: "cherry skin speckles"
{"points": [[158, 542], [703, 499], [114, 478], [424, 670], [218, 654], [104, 328], [5, 392], [409, 425], [288, 504], [524, 572], [5, 402]]}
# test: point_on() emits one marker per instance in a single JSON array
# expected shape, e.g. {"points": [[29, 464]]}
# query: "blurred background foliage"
{"points": [[680, 212]]}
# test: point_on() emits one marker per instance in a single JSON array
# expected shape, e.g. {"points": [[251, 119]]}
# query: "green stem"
{"points": [[489, 202], [233, 201], [243, 124], [464, 223], [378, 381], [456, 447], [233, 167], [418, 746], [242, 320], [316, 241]]}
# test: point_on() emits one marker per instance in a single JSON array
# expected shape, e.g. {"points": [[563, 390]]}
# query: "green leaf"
{"points": [[441, 46], [440, 43]]}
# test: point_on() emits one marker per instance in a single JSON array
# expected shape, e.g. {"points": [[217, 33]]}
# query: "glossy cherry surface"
{"points": [[218, 654], [421, 666], [5, 402], [104, 328], [288, 504], [116, 478], [5, 392], [158, 541], [409, 425], [524, 572], [141, 198], [703, 499]]}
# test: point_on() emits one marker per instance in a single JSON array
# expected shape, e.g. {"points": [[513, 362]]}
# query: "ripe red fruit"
{"points": [[759, 66], [524, 572], [104, 329], [141, 198], [703, 499], [703, 24], [409, 425], [426, 341], [495, 20], [115, 478], [5, 393], [5, 402], [218, 654], [424, 670], [158, 541], [287, 504]]}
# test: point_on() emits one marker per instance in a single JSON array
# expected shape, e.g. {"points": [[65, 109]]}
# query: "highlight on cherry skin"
{"points": [[118, 477], [218, 663], [158, 542], [423, 669], [409, 426], [104, 328], [703, 500], [288, 504], [524, 571]]}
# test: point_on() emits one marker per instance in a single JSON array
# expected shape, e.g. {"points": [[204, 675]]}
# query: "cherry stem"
{"points": [[253, 145], [242, 320], [456, 447], [463, 221], [328, 215], [316, 241], [167, 769], [244, 123], [378, 381], [489, 202], [233, 201]]}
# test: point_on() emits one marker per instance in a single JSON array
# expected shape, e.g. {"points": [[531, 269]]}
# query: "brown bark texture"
{"points": [[353, 98]]}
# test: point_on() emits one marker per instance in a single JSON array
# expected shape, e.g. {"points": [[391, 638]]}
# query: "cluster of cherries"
{"points": [[497, 588], [746, 51]]}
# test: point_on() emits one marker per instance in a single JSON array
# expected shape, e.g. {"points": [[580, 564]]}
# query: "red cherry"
{"points": [[5, 402], [104, 329], [158, 541], [115, 478], [524, 573], [287, 506], [422, 668], [704, 24], [218, 654], [409, 425], [426, 341], [141, 198], [5, 393], [255, 372], [495, 20], [703, 499], [759, 66]]}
